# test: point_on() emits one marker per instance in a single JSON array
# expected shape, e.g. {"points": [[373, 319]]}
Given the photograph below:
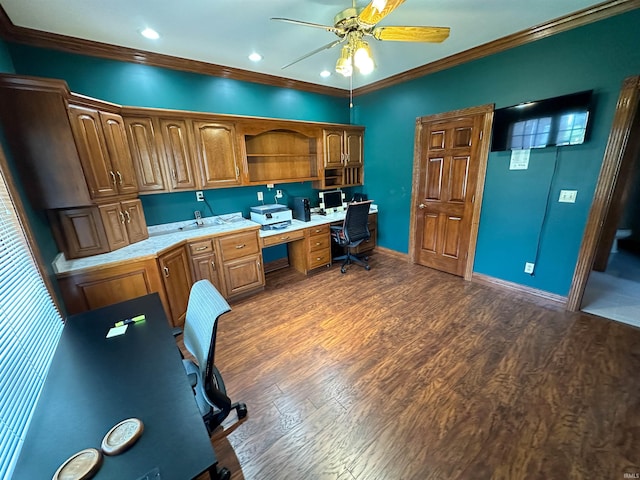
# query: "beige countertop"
{"points": [[166, 236]]}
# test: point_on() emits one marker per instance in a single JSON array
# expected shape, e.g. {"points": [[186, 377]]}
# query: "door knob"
{"points": [[421, 206]]}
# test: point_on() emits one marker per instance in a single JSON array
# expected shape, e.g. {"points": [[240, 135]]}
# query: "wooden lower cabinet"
{"points": [[241, 258], [100, 287], [176, 276], [312, 252], [85, 231], [204, 263]]}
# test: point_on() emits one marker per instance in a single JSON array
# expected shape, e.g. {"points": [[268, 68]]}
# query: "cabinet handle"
{"points": [[318, 243], [238, 247], [126, 214], [237, 172], [166, 272], [284, 238], [318, 258], [121, 217], [213, 264], [199, 249], [173, 173], [113, 177], [119, 177]]}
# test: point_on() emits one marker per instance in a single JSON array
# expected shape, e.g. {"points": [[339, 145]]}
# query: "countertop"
{"points": [[163, 237]]}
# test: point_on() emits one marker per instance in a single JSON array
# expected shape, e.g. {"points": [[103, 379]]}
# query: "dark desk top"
{"points": [[95, 382]]}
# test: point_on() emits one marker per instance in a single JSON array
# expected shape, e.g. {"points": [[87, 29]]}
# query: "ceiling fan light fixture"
{"points": [[344, 65], [362, 58]]}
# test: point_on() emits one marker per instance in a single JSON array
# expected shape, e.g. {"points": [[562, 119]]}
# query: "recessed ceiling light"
{"points": [[255, 57], [150, 33], [325, 73]]}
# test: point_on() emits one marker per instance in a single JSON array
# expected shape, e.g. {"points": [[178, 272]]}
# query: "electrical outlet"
{"points": [[278, 193], [260, 196], [528, 267], [200, 196]]}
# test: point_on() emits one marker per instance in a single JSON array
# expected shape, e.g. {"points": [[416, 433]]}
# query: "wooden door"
{"points": [[114, 222], [178, 153], [145, 154], [93, 152], [119, 152], [216, 151], [445, 176], [134, 220], [176, 276]]}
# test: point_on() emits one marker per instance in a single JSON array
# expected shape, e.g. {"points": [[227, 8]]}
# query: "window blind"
{"points": [[30, 326]]}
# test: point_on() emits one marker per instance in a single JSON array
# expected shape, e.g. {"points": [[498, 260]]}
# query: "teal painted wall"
{"points": [[597, 56]]}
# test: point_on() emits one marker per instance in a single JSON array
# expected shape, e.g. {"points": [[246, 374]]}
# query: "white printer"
{"points": [[271, 217]]}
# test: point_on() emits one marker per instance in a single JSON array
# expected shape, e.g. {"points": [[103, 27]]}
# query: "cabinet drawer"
{"points": [[319, 230], [239, 245], [197, 248], [282, 238], [319, 242], [319, 258]]}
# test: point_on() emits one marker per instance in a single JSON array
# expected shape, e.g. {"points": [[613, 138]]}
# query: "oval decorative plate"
{"points": [[122, 436], [80, 466]]}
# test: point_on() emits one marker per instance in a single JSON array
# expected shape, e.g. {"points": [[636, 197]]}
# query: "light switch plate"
{"points": [[528, 267], [568, 196]]}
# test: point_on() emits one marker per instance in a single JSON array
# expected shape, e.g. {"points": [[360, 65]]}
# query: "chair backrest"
{"points": [[205, 306], [356, 221]]}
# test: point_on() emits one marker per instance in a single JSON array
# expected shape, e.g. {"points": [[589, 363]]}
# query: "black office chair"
{"points": [[352, 233], [205, 306]]}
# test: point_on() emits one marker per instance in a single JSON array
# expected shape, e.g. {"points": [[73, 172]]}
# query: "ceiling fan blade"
{"points": [[371, 15], [308, 24], [411, 34], [317, 50]]}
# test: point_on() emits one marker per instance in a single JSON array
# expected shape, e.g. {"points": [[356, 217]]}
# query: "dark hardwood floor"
{"points": [[404, 372]]}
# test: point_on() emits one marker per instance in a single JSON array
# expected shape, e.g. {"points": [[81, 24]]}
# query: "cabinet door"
{"points": [[119, 153], [243, 275], [333, 148], [215, 145], [92, 149], [176, 275], [205, 268], [83, 232], [134, 220], [178, 154], [145, 154], [353, 148], [114, 221]]}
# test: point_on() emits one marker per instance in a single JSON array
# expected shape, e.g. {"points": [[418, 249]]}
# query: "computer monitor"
{"points": [[332, 201]]}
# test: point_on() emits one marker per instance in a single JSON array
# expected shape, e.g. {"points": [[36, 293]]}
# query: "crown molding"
{"points": [[37, 38], [582, 17]]}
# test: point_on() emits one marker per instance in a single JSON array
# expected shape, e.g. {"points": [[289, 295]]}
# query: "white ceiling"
{"points": [[225, 32]]}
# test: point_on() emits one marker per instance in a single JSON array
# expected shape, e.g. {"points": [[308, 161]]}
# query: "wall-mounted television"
{"points": [[544, 123]]}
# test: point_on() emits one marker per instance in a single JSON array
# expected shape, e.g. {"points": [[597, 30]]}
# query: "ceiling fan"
{"points": [[352, 24]]}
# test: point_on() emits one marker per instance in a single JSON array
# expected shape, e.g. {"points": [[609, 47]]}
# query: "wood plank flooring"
{"points": [[404, 372]]}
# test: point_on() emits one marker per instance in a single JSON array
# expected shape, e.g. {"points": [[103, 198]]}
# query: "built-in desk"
{"points": [[309, 243]]}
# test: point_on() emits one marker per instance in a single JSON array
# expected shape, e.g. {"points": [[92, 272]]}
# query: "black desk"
{"points": [[95, 382]]}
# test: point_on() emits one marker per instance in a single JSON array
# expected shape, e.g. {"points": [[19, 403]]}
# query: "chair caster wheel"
{"points": [[224, 474], [343, 270], [242, 411], [367, 267], [366, 259]]}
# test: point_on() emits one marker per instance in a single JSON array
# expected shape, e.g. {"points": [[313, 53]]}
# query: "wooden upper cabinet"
{"points": [[104, 152], [119, 152], [114, 225], [92, 148], [353, 148], [135, 222], [216, 154], [333, 148], [146, 154], [178, 152]]}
